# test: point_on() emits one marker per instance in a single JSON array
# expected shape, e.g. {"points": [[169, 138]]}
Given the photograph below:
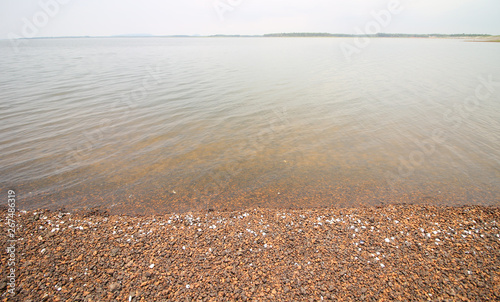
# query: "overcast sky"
{"points": [[50, 18]]}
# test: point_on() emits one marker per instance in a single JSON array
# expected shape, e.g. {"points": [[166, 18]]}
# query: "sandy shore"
{"points": [[374, 254]]}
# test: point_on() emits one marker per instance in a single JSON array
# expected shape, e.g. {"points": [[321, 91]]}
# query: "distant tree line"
{"points": [[384, 35], [307, 35]]}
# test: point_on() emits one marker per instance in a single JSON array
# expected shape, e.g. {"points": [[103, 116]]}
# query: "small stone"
{"points": [[115, 286], [114, 251]]}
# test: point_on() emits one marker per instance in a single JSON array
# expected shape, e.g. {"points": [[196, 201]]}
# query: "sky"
{"points": [[53, 18]]}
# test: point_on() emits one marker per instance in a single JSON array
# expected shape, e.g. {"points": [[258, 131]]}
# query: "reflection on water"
{"points": [[154, 125]]}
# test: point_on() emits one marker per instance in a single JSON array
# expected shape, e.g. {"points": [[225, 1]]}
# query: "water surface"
{"points": [[152, 125]]}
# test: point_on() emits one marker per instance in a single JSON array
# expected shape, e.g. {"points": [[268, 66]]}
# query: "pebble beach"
{"points": [[394, 252]]}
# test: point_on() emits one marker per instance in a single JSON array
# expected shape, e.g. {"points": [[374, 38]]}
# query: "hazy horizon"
{"points": [[76, 18], [147, 35]]}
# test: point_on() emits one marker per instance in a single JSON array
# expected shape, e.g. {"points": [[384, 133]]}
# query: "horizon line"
{"points": [[268, 35]]}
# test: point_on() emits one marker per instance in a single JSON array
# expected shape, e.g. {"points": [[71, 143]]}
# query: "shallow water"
{"points": [[149, 125]]}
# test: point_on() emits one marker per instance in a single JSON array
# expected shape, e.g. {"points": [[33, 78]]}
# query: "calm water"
{"points": [[182, 124]]}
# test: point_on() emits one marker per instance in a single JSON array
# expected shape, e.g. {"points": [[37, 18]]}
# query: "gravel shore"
{"points": [[395, 252]]}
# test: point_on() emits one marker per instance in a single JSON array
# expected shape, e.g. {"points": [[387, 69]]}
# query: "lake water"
{"points": [[154, 125]]}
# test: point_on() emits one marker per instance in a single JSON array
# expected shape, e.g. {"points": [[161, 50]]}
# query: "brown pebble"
{"points": [[403, 252]]}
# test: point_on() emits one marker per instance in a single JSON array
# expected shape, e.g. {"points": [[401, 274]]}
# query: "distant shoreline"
{"points": [[486, 39], [475, 37]]}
